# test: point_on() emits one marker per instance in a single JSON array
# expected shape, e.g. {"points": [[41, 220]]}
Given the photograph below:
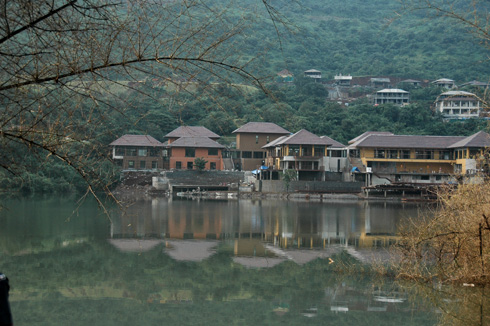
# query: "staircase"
{"points": [[228, 164], [357, 162]]}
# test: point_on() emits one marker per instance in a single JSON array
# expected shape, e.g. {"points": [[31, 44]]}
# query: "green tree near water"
{"points": [[200, 164], [287, 177]]}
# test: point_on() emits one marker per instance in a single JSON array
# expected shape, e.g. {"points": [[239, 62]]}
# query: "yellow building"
{"points": [[412, 158]]}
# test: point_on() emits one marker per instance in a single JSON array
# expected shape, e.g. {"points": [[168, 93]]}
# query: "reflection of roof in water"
{"points": [[258, 262], [302, 257], [190, 250], [134, 245]]}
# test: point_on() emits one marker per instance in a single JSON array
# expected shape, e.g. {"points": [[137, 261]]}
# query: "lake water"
{"points": [[204, 262]]}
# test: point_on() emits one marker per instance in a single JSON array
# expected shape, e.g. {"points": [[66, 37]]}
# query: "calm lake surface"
{"points": [[203, 262]]}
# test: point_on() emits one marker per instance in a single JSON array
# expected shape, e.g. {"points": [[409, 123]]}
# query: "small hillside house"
{"points": [[343, 80], [458, 105], [285, 76], [444, 83], [395, 96], [312, 73]]}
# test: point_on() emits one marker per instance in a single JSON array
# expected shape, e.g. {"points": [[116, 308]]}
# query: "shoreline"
{"points": [[144, 192]]}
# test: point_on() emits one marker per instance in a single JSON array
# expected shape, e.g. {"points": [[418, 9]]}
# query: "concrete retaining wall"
{"points": [[309, 186]]}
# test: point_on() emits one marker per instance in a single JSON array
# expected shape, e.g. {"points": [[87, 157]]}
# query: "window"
{"points": [[131, 151], [119, 151], [379, 153], [246, 154], [130, 164], [293, 150], [212, 166], [256, 139], [190, 165], [142, 164], [142, 152], [258, 154], [190, 152], [393, 153], [154, 164], [405, 154], [424, 155], [178, 165], [212, 151], [154, 152], [319, 151], [267, 139]]}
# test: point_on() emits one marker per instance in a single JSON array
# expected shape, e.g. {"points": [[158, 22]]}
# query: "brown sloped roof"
{"points": [[262, 128], [368, 133], [480, 139], [190, 131], [334, 143], [408, 141], [198, 142], [137, 140], [304, 137], [275, 142]]}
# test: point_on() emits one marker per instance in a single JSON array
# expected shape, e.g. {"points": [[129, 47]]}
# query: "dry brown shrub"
{"points": [[451, 244]]}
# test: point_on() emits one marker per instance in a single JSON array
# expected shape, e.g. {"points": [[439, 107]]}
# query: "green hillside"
{"points": [[372, 38]]}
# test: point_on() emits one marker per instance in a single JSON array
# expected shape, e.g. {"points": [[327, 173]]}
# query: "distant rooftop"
{"points": [[189, 131], [392, 90], [478, 140], [302, 137], [199, 142], [137, 140], [262, 128]]}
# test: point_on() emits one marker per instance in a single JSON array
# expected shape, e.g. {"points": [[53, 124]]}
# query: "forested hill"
{"points": [[373, 37]]}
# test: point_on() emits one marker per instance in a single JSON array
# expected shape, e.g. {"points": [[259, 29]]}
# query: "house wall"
{"points": [[136, 162], [178, 155], [253, 142]]}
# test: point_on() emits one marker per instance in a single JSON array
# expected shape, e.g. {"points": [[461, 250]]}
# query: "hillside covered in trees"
{"points": [[359, 38]]}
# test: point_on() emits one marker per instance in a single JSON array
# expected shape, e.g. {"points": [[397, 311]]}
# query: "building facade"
{"points": [[394, 96], [250, 139], [303, 152], [185, 150], [138, 152], [458, 105], [418, 159]]}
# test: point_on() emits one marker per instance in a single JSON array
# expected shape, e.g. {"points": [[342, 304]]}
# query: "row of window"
{"points": [[190, 165], [153, 152], [191, 152], [133, 151], [406, 154], [142, 165]]}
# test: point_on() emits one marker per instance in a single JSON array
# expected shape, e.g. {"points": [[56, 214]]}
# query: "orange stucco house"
{"points": [[187, 143]]}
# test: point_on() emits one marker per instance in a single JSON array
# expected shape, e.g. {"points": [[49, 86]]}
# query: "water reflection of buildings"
{"points": [[283, 224]]}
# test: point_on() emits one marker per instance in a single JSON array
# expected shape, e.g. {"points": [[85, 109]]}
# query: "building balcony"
{"points": [[302, 158], [409, 160]]}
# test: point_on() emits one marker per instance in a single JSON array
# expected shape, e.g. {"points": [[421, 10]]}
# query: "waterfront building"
{"points": [[418, 159], [250, 139], [138, 152]]}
